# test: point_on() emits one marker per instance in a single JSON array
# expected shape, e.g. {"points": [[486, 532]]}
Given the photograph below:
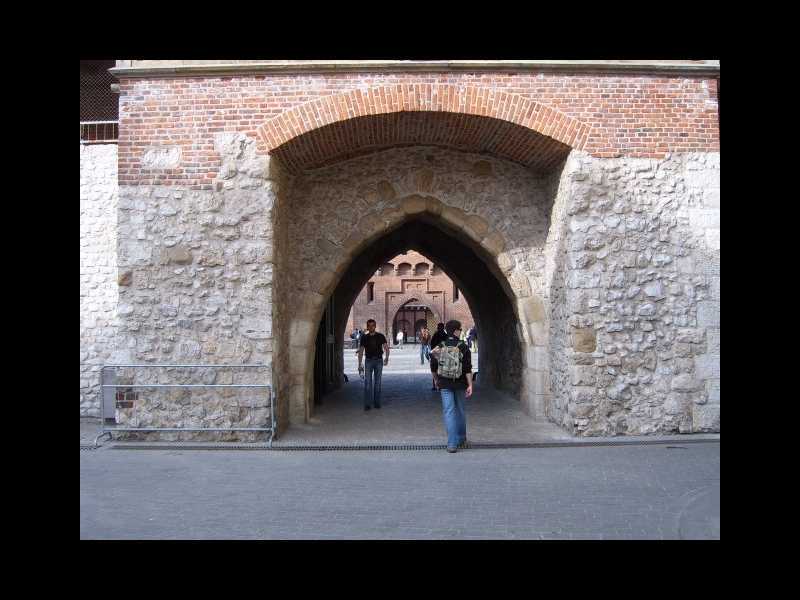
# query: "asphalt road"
{"points": [[612, 492]]}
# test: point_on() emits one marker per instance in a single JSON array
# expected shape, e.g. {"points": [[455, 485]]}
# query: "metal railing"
{"points": [[105, 430], [99, 132]]}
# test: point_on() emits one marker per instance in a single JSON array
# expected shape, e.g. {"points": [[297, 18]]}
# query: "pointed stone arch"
{"points": [[491, 245]]}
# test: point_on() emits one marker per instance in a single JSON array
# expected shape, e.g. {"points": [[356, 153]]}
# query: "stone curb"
{"points": [[401, 446]]}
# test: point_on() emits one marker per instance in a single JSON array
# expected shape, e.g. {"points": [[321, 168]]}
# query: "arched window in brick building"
{"points": [[421, 270], [404, 269], [387, 269]]}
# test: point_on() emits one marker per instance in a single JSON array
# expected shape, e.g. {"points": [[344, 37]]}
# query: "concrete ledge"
{"points": [[155, 69]]}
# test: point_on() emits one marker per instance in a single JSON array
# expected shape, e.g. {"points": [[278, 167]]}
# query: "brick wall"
{"points": [[620, 115], [392, 289]]}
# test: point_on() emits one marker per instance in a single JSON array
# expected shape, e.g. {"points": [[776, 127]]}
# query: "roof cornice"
{"points": [[161, 69]]}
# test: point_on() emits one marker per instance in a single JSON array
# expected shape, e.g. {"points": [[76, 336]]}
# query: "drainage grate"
{"points": [[88, 447], [407, 447]]}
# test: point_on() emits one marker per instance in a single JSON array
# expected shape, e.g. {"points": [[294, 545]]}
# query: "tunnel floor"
{"points": [[411, 413]]}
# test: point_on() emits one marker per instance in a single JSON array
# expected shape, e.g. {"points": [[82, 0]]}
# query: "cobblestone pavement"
{"points": [[589, 492], [411, 412]]}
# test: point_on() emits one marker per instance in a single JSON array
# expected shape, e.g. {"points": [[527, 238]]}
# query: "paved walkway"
{"points": [[627, 492], [412, 413]]}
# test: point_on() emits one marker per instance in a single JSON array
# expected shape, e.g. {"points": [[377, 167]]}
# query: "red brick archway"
{"points": [[397, 303], [469, 117]]}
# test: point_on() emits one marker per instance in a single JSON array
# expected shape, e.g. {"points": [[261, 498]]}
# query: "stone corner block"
{"points": [[584, 339]]}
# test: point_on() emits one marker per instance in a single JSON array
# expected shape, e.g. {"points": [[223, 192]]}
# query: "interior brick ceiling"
{"points": [[363, 135]]}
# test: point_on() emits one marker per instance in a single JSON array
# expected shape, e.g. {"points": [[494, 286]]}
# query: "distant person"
{"points": [[425, 345], [472, 339], [400, 336], [439, 336], [374, 344], [454, 376]]}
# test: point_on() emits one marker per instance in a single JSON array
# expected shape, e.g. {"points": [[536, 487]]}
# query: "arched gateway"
{"points": [[487, 215], [580, 284]]}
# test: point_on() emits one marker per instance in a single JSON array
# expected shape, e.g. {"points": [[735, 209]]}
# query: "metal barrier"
{"points": [[110, 430], [99, 132]]}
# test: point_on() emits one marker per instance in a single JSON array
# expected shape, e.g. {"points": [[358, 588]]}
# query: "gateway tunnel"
{"points": [[463, 261]]}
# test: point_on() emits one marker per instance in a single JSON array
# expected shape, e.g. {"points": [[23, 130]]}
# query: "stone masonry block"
{"points": [[538, 333], [301, 333], [703, 179], [712, 389], [494, 243], [706, 366], [537, 358], [531, 309], [712, 340], [703, 218], [712, 239], [584, 339], [536, 381], [454, 216], [413, 205], [584, 376], [705, 417], [711, 197], [707, 313]]}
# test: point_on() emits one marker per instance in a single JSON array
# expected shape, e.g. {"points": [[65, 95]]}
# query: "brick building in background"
{"points": [[406, 293]]}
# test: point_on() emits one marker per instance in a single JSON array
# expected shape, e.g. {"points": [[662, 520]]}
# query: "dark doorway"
{"points": [[408, 314], [325, 379]]}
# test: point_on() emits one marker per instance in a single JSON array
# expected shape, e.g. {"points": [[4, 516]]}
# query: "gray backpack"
{"points": [[449, 361]]}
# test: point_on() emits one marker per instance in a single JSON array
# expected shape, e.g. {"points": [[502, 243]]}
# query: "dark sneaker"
{"points": [[433, 389], [451, 449], [463, 444], [366, 408]]}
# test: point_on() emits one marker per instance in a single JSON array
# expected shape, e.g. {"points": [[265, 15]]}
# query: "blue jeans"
{"points": [[373, 367], [455, 418], [424, 352]]}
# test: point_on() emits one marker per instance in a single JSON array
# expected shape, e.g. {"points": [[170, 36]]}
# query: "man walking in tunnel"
{"points": [[453, 363], [374, 344]]}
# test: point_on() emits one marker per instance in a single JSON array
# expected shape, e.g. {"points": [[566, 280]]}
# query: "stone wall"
{"points": [[196, 275], [611, 266], [98, 267], [640, 350]]}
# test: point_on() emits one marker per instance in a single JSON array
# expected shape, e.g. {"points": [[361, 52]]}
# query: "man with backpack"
{"points": [[439, 336], [453, 363]]}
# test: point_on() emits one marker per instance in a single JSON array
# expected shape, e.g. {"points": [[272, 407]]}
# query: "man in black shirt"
{"points": [[374, 344]]}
